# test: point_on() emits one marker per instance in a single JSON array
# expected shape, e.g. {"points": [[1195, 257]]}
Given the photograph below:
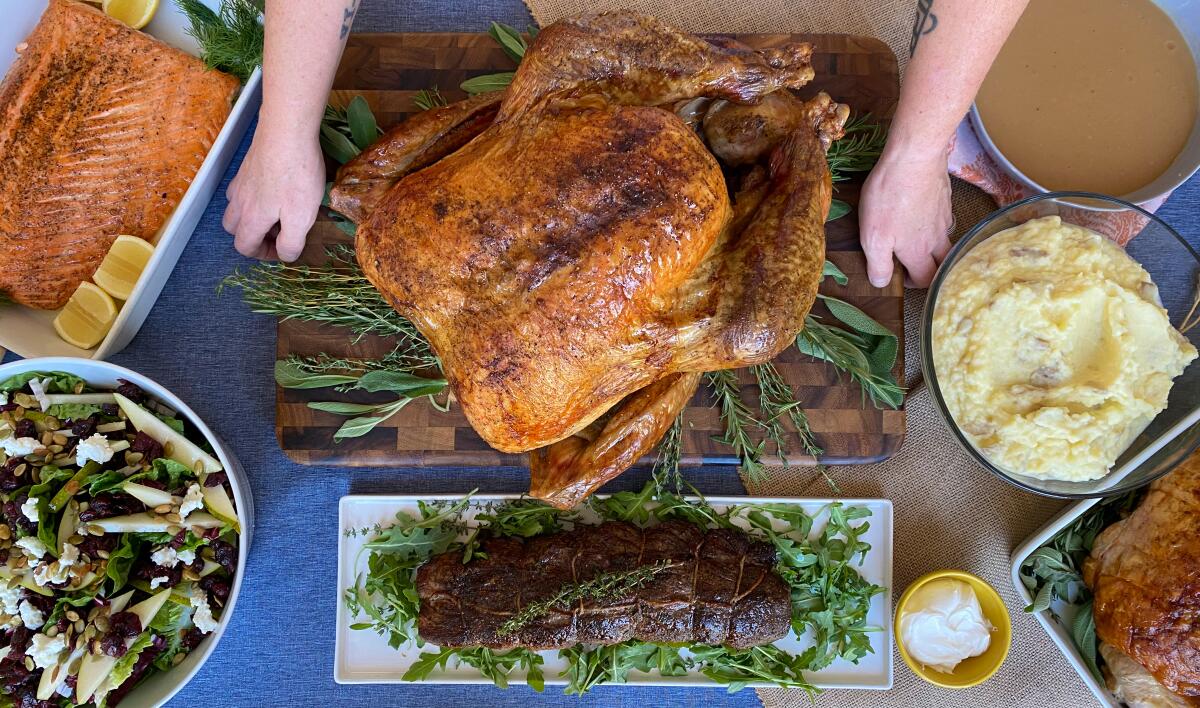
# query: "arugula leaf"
{"points": [[736, 668], [589, 666]]}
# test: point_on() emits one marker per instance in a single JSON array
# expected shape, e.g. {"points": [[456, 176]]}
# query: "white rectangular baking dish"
{"points": [[1058, 629], [363, 657], [29, 332]]}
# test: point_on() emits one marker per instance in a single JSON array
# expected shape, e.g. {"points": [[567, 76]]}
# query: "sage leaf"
{"points": [[487, 82], [341, 408], [510, 40], [399, 382], [363, 128], [830, 270], [837, 209], [1083, 632], [289, 375], [358, 427], [856, 318], [337, 145]]}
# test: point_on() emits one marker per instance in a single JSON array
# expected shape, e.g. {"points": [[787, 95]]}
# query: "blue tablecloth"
{"points": [[217, 356]]}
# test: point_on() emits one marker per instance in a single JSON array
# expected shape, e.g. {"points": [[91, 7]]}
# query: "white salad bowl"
{"points": [[158, 688]]}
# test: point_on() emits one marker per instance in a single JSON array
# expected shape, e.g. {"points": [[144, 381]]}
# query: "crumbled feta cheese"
{"points": [[165, 556], [155, 582], [10, 598], [31, 616], [96, 448], [202, 617], [51, 573], [30, 509], [69, 555], [19, 447], [32, 546], [45, 650], [194, 499], [186, 557]]}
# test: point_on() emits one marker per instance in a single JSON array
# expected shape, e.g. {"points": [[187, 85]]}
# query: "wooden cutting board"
{"points": [[387, 70]]}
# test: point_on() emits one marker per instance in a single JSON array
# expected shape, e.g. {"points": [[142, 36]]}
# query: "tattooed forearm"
{"points": [[348, 17], [925, 23]]}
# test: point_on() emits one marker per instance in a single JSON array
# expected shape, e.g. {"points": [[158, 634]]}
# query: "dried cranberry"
{"points": [[226, 555], [147, 482], [192, 638], [211, 534], [72, 680], [83, 428], [42, 602], [106, 505], [13, 673], [6, 407], [122, 626], [178, 540], [26, 695], [91, 545], [216, 479], [216, 587], [18, 641], [140, 667], [109, 409], [25, 429], [9, 481], [149, 447], [131, 391], [16, 518]]}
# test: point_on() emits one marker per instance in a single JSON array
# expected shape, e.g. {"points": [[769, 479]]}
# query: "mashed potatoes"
{"points": [[1052, 350]]}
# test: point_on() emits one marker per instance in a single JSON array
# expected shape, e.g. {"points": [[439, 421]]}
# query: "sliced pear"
{"points": [[179, 593], [148, 523], [50, 677], [67, 525], [219, 505], [209, 568], [96, 667], [26, 582], [182, 450], [149, 496], [72, 486], [120, 602]]}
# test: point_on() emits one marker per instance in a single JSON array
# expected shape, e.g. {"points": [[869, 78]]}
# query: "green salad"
{"points": [[830, 598], [120, 537]]}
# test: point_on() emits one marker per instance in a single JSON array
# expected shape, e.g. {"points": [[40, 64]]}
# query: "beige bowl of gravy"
{"points": [[1096, 95]]}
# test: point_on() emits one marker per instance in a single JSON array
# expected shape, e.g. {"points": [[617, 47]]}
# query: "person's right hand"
{"points": [[281, 181]]}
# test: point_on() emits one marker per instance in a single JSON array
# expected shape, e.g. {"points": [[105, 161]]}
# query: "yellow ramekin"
{"points": [[977, 669]]}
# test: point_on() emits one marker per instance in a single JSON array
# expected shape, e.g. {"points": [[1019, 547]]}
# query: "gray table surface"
{"points": [[218, 357]]}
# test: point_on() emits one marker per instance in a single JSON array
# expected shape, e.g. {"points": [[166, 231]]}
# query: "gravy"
{"points": [[1095, 95]]}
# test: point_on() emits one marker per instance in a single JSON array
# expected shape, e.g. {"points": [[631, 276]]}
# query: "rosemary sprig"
{"points": [[336, 293], [847, 352], [858, 150], [739, 420], [232, 40], [778, 401], [401, 359], [606, 586], [427, 99], [666, 475]]}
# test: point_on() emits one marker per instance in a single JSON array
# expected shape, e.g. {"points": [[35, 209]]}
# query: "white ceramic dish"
{"points": [[1058, 627], [158, 689], [1186, 16], [30, 332], [361, 656]]}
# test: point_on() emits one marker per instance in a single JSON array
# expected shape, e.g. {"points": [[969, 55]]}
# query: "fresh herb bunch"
{"points": [[428, 99], [829, 596], [740, 423], [1055, 571], [231, 40]]}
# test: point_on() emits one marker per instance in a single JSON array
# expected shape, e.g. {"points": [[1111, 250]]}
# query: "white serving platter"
{"points": [[364, 657], [29, 332], [1056, 620]]}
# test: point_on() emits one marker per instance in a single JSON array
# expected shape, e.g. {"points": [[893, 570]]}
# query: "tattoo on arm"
{"points": [[925, 23], [348, 17]]}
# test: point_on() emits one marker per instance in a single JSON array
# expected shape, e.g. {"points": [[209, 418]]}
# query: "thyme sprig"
{"points": [[606, 586], [230, 40]]}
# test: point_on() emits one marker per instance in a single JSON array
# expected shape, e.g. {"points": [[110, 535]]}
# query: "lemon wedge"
{"points": [[88, 316], [135, 13], [123, 265]]}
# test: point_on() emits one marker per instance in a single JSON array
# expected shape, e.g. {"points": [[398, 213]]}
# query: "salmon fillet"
{"points": [[102, 129]]}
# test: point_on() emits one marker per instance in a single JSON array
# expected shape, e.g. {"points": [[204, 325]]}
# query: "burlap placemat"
{"points": [[949, 512]]}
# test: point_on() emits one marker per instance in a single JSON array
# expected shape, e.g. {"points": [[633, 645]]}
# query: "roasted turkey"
{"points": [[1144, 573], [572, 249]]}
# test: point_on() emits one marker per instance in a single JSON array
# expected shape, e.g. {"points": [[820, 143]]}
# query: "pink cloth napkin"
{"points": [[970, 162]]}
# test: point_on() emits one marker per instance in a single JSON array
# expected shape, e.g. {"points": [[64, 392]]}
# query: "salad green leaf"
{"points": [[169, 473], [73, 411], [59, 382], [123, 669], [121, 561], [170, 623]]}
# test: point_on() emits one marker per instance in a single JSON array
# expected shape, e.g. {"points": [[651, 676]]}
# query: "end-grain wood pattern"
{"points": [[388, 70]]}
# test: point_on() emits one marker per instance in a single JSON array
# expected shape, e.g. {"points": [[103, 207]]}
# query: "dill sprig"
{"points": [[337, 293], [739, 420], [606, 586], [666, 475], [429, 98], [858, 150], [231, 41]]}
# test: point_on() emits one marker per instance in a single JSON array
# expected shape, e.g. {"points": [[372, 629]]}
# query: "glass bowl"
{"points": [[1172, 264]]}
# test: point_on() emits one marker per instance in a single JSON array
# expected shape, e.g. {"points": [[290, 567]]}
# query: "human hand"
{"points": [[905, 211], [281, 181]]}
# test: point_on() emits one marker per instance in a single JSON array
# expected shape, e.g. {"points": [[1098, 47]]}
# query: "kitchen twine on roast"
{"points": [[949, 512]]}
